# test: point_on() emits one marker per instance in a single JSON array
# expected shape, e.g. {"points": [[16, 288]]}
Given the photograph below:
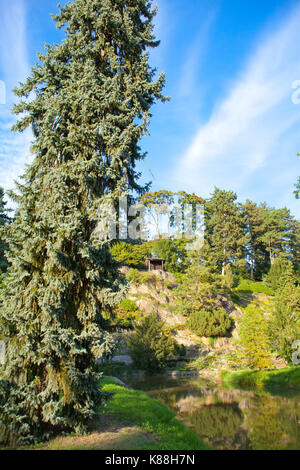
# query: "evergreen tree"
{"points": [[228, 277], [198, 290], [225, 228], [280, 231], [4, 220], [255, 250], [280, 274], [254, 339], [151, 345], [88, 103], [284, 325]]}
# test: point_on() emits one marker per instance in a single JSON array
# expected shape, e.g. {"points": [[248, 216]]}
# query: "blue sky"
{"points": [[230, 67]]}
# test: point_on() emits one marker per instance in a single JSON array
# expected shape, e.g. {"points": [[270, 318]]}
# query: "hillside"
{"points": [[154, 293]]}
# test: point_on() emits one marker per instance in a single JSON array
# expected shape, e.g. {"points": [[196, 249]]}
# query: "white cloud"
{"points": [[245, 128], [14, 67], [195, 53]]}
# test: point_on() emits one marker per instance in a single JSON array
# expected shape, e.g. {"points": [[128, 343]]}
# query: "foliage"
{"points": [[138, 278], [229, 280], [270, 380], [153, 417], [174, 251], [253, 333], [197, 290], [297, 190], [254, 287], [130, 254], [152, 347], [126, 314], [284, 324], [280, 273], [4, 221], [280, 233], [88, 103], [225, 228], [213, 323]]}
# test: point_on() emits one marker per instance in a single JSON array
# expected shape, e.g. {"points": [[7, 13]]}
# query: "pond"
{"points": [[231, 419]]}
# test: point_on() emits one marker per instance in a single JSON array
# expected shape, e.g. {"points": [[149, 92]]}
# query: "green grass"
{"points": [[139, 409], [254, 287], [269, 380]]}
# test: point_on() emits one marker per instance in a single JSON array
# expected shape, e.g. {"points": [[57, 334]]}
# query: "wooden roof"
{"points": [[154, 259]]}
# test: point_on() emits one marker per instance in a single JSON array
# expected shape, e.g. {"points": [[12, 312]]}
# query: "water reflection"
{"points": [[233, 419]]}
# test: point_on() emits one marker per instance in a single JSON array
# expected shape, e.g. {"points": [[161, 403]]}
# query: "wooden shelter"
{"points": [[155, 264]]}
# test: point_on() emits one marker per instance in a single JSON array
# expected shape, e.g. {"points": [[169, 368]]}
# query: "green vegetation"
{"points": [[4, 221], [281, 272], [62, 293], [284, 323], [213, 323], [198, 290], [62, 276], [131, 254], [138, 278], [245, 285], [254, 339], [217, 421], [174, 251], [270, 380], [152, 347], [225, 229], [138, 408], [125, 314]]}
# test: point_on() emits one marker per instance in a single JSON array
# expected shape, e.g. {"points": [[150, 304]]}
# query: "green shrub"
{"points": [[229, 278], [215, 323], [151, 345], [281, 272], [126, 314], [254, 339], [138, 278], [128, 305]]}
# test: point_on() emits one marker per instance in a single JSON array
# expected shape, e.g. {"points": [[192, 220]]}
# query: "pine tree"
{"points": [[198, 290], [255, 250], [225, 228], [279, 232], [88, 103]]}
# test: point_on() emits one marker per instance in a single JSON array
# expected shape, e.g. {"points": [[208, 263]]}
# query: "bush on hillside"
{"points": [[210, 323], [126, 314]]}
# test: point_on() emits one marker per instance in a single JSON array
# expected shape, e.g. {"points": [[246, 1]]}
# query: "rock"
{"points": [[125, 358]]}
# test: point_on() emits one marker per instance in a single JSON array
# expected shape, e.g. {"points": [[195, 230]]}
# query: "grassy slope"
{"points": [[140, 409], [132, 420], [270, 380]]}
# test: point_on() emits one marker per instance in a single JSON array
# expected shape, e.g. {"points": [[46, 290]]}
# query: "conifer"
{"points": [[88, 103]]}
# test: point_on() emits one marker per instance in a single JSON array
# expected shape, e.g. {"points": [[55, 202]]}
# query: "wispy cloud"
{"points": [[14, 67], [196, 51], [248, 125]]}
